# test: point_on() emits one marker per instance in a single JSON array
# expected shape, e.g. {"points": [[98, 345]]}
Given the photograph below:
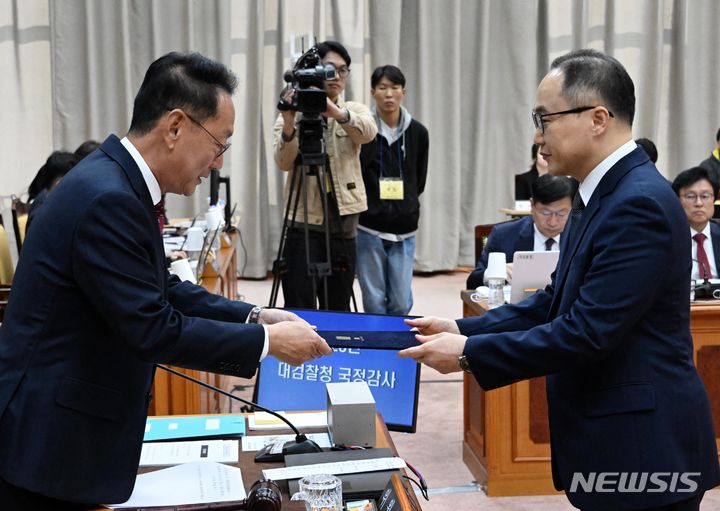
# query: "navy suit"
{"points": [[92, 308], [715, 238], [508, 237], [612, 334]]}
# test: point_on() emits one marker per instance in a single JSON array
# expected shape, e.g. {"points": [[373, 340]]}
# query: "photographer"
{"points": [[349, 125]]}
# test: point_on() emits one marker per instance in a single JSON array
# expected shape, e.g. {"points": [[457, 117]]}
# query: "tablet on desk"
{"points": [[531, 270]]}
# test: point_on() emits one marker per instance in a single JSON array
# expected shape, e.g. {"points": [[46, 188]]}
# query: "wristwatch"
{"points": [[464, 364], [346, 118], [254, 315]]}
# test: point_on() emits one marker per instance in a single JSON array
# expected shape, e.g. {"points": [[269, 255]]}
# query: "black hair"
{"points": [[180, 80], [717, 136], [548, 188], [390, 72], [56, 166], [326, 47], [649, 147], [589, 75], [86, 148], [691, 176]]}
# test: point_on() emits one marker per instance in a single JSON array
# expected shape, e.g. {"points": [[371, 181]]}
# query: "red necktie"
{"points": [[703, 263], [160, 215]]}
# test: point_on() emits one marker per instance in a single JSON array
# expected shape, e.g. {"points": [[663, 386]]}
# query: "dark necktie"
{"points": [[577, 208], [160, 215], [703, 262], [549, 244]]}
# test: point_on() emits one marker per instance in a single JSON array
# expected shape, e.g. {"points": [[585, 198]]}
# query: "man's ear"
{"points": [[174, 124], [601, 118]]}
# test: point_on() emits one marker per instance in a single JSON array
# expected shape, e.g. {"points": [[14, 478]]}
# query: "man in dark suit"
{"points": [[550, 205], [697, 189], [611, 332], [93, 307]]}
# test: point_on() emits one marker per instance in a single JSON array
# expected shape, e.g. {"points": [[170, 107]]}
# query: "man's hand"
{"points": [[508, 269], [439, 351], [432, 325], [295, 342], [271, 316]]}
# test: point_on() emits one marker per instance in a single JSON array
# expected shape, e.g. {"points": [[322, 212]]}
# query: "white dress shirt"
{"points": [[540, 239]]}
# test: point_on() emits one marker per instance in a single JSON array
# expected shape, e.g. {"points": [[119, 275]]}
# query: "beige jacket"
{"points": [[343, 149]]}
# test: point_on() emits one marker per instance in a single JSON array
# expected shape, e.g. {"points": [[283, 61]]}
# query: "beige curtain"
{"points": [[71, 68]]}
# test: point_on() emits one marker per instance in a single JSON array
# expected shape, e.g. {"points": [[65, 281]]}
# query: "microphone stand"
{"points": [[704, 290], [300, 445]]}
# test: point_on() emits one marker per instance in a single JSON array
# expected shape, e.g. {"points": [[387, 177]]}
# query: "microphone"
{"points": [[300, 445], [214, 186], [264, 496], [704, 290]]}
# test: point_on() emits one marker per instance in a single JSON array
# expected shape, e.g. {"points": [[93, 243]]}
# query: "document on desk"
{"points": [[190, 483], [174, 453], [255, 443], [265, 421], [174, 428], [336, 468]]}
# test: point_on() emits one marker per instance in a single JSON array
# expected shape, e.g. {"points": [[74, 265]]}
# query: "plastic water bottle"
{"points": [[496, 296]]}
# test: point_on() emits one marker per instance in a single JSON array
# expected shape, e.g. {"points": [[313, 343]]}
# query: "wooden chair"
{"points": [[482, 232], [19, 216], [7, 269]]}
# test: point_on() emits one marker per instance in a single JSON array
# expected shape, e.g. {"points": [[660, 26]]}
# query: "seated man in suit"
{"points": [[551, 202], [697, 191]]}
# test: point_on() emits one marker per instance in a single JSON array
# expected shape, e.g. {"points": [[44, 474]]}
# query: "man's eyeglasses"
{"points": [[342, 71], [692, 197], [540, 123], [546, 213], [223, 147]]}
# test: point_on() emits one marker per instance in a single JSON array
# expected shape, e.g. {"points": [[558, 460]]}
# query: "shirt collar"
{"points": [[587, 187], [705, 231], [545, 238], [150, 181]]}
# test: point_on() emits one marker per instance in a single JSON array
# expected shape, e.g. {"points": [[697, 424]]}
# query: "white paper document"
{"points": [[336, 468], [191, 483], [255, 443], [265, 421], [175, 453]]}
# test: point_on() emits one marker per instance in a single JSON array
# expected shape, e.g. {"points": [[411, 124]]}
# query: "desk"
{"points": [[506, 438], [252, 471], [515, 213], [175, 396]]}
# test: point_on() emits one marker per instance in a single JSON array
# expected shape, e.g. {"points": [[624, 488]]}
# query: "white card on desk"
{"points": [[255, 443], [264, 421], [174, 453]]}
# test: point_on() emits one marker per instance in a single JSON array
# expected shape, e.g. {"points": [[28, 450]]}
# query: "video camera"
{"points": [[306, 78]]}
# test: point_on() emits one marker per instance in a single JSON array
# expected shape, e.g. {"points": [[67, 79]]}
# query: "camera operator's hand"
{"points": [[335, 112], [294, 342], [288, 115]]}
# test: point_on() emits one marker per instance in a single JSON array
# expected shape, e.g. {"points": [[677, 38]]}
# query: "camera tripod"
{"points": [[311, 163]]}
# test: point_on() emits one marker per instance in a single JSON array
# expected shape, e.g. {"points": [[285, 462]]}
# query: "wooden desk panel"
{"points": [[506, 442], [175, 396]]}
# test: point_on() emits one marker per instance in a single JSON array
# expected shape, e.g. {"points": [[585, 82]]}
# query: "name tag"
{"points": [[391, 188]]}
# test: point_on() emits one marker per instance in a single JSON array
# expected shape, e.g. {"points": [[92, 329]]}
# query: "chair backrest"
{"points": [[20, 217], [482, 232], [6, 265]]}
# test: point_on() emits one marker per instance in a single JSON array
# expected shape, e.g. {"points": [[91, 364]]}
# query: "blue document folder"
{"points": [[200, 426]]}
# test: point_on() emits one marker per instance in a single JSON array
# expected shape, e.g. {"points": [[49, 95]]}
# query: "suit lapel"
{"points": [[569, 247], [715, 236], [526, 236], [114, 149]]}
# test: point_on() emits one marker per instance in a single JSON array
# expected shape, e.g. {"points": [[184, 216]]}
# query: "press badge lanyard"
{"points": [[391, 188]]}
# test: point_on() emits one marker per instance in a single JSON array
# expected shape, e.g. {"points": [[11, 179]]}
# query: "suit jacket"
{"points": [[92, 309], [508, 237], [715, 239], [612, 334], [524, 182]]}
